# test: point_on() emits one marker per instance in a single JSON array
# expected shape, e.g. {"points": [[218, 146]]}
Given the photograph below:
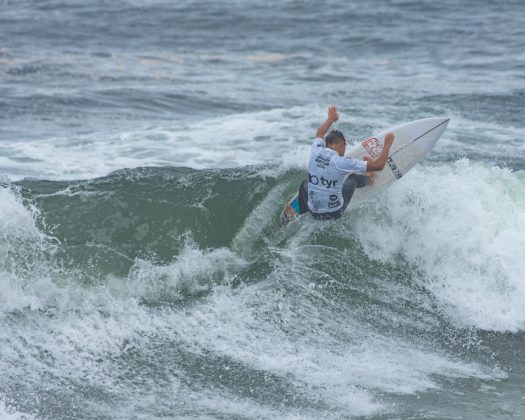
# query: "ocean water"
{"points": [[146, 150]]}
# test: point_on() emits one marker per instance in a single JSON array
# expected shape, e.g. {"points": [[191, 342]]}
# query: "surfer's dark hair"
{"points": [[334, 137]]}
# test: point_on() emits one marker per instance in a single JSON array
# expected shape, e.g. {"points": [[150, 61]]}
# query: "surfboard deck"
{"points": [[413, 141]]}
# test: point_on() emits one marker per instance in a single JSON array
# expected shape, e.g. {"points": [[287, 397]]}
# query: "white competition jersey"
{"points": [[326, 173]]}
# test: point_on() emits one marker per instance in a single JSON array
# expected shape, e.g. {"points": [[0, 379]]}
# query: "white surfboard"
{"points": [[412, 142]]}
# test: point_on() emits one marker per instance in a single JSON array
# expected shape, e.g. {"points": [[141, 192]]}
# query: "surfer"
{"points": [[324, 194]]}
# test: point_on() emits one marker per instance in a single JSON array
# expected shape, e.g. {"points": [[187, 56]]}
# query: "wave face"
{"points": [[173, 290]]}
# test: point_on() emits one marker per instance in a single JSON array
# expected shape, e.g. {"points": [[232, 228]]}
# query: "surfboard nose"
{"points": [[435, 121], [425, 132], [440, 125], [434, 126], [440, 121]]}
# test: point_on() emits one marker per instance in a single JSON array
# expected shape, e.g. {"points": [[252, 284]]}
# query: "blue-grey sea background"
{"points": [[146, 150]]}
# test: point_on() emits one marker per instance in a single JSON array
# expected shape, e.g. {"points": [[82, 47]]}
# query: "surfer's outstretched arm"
{"points": [[333, 116]]}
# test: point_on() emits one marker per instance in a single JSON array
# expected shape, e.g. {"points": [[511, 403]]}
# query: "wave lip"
{"points": [[25, 269]]}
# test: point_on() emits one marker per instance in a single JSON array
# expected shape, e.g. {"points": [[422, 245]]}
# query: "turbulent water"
{"points": [[146, 150]]}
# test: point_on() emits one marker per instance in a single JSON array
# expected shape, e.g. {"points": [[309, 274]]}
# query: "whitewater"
{"points": [[146, 151]]}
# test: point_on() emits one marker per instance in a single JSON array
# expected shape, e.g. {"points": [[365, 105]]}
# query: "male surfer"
{"points": [[324, 194]]}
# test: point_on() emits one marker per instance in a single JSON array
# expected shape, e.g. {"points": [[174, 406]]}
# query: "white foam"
{"points": [[220, 142], [466, 137], [9, 413], [460, 225], [15, 219], [226, 405], [297, 341], [342, 364], [193, 272], [245, 336], [21, 247], [281, 135]]}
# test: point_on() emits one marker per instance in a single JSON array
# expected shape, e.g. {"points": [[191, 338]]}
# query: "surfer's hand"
{"points": [[367, 158], [389, 139], [333, 115]]}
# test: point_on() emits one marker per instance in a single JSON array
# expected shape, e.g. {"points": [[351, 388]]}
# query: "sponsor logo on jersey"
{"points": [[327, 183], [322, 161]]}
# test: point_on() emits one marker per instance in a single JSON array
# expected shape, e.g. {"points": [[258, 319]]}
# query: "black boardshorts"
{"points": [[352, 182]]}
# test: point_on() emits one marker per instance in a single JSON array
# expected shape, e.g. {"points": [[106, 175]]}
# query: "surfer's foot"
{"points": [[289, 211]]}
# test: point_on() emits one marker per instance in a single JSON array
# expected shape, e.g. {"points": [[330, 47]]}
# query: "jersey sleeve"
{"points": [[348, 164], [318, 142]]}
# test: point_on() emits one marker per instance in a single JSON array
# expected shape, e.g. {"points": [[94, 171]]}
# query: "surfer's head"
{"points": [[336, 140]]}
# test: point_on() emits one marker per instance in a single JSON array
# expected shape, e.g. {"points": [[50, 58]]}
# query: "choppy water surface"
{"points": [[146, 149]]}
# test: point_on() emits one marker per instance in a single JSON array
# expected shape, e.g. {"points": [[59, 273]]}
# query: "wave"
{"points": [[450, 223], [188, 273]]}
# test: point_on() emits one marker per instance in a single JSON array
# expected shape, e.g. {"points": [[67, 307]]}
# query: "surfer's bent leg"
{"points": [[362, 180], [303, 197], [352, 182]]}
